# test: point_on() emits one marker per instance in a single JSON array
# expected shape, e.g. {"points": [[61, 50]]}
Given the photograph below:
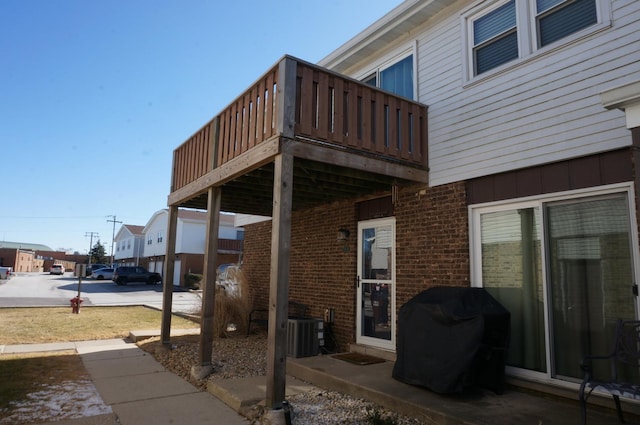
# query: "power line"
{"points": [[33, 217]]}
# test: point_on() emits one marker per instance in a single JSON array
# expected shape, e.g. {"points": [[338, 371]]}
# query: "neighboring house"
{"points": [[190, 246], [20, 259], [129, 245], [530, 188], [42, 259]]}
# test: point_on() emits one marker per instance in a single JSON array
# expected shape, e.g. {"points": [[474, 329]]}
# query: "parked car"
{"points": [[5, 272], [104, 273], [126, 274], [57, 269], [92, 267]]}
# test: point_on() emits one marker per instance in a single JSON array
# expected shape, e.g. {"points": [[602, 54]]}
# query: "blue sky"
{"points": [[95, 95]]}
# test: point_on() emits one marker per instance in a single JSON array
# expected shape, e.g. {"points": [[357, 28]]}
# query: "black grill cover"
{"points": [[451, 337]]}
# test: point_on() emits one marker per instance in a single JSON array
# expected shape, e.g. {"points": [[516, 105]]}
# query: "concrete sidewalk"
{"points": [[139, 390]]}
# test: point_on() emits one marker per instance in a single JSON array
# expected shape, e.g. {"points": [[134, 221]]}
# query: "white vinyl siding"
{"points": [[545, 109], [191, 236], [542, 108], [157, 224]]}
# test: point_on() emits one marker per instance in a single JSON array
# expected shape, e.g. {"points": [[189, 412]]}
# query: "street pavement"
{"points": [[39, 289]]}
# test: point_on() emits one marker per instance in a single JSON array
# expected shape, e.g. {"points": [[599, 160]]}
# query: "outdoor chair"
{"points": [[261, 316], [625, 355]]}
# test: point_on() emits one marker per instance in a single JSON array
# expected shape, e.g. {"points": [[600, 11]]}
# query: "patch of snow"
{"points": [[68, 400]]}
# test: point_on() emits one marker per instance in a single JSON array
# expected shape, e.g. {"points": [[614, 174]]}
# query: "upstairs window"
{"points": [[505, 31], [395, 76], [557, 19], [495, 38], [398, 78]]}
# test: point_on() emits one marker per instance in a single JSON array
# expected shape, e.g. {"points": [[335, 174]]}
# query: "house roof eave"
{"points": [[401, 20]]}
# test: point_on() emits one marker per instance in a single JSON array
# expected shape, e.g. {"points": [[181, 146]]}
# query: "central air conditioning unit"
{"points": [[304, 337]]}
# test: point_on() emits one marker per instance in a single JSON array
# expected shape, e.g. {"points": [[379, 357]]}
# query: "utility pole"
{"points": [[91, 234], [113, 234]]}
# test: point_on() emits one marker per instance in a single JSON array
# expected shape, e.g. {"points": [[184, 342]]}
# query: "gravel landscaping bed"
{"points": [[239, 357]]}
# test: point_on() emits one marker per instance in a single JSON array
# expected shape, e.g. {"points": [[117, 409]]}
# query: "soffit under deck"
{"points": [[314, 183]]}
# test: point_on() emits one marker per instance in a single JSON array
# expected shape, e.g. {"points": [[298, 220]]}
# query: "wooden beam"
{"points": [[279, 283], [342, 158], [250, 160], [286, 106], [209, 277], [167, 278]]}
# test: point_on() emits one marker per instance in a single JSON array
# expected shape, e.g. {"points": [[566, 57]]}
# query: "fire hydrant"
{"points": [[75, 304]]}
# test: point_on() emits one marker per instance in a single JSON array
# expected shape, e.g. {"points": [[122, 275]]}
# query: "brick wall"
{"points": [[432, 248], [432, 239]]}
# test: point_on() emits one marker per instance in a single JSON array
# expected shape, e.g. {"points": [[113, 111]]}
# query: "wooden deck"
{"points": [[300, 136], [340, 128]]}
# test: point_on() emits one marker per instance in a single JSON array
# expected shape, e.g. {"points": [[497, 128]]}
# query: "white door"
{"points": [[376, 283], [176, 272]]}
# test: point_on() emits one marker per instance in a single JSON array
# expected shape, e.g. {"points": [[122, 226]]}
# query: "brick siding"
{"points": [[432, 249]]}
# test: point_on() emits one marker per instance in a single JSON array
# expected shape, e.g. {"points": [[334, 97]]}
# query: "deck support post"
{"points": [[209, 280], [279, 280], [167, 278]]}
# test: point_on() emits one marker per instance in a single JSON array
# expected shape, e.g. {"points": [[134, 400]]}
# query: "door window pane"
{"points": [[565, 271], [376, 284], [377, 244], [512, 274], [590, 277]]}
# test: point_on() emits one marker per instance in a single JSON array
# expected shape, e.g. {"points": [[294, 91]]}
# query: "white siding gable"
{"points": [[191, 231], [127, 244], [157, 224]]}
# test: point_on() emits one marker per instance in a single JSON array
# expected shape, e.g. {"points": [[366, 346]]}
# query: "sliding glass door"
{"points": [[565, 270], [590, 277]]}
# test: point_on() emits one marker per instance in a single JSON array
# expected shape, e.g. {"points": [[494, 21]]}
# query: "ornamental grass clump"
{"points": [[232, 305]]}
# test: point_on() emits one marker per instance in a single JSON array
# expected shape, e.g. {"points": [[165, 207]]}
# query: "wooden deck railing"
{"points": [[298, 99], [194, 158], [234, 245], [336, 109]]}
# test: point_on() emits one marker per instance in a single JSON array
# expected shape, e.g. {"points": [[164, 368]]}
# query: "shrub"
{"points": [[192, 280], [231, 309]]}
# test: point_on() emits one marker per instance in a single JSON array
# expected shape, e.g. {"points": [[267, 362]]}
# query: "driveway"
{"points": [[42, 289]]}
